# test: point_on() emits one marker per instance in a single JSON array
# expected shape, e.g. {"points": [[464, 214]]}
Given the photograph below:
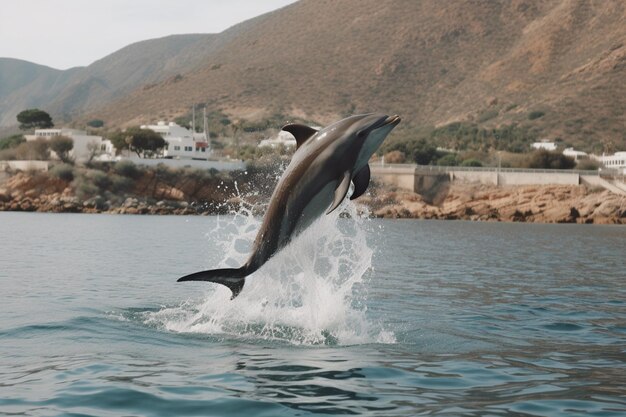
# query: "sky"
{"points": [[68, 33]]}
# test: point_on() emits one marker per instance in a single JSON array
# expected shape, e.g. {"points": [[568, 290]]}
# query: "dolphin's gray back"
{"points": [[303, 182]]}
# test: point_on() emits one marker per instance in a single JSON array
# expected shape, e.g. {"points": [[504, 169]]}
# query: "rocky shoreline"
{"points": [[533, 204], [475, 202]]}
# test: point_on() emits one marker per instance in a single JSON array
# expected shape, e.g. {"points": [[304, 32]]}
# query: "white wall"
{"points": [[24, 165]]}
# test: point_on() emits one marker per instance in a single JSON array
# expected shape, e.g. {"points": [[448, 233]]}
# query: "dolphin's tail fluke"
{"points": [[233, 278]]}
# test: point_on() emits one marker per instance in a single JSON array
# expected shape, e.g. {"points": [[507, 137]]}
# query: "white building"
{"points": [[616, 161], [544, 144], [576, 155], [182, 143], [283, 138], [85, 146]]}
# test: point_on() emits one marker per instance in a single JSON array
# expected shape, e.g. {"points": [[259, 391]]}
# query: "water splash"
{"points": [[312, 292]]}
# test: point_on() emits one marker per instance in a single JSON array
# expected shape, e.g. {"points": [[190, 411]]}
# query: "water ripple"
{"points": [[487, 319]]}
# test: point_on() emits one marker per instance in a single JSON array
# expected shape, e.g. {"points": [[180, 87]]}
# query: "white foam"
{"points": [[311, 292]]}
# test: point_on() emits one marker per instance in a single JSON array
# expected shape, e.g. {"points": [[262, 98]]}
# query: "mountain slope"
{"points": [[24, 85], [556, 66], [433, 62]]}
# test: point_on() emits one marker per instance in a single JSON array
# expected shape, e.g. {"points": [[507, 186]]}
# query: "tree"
{"points": [[34, 118], [422, 152], [38, 150], [95, 123], [550, 160], [118, 139], [419, 151], [144, 141], [62, 145], [93, 149]]}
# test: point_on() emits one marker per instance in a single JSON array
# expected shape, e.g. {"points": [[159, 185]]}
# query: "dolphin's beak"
{"points": [[392, 120], [386, 121]]}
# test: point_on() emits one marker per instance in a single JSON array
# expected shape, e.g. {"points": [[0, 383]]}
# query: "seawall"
{"points": [[417, 178]]}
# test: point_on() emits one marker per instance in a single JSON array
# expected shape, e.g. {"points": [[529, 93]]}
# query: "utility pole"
{"points": [[205, 128], [193, 120]]}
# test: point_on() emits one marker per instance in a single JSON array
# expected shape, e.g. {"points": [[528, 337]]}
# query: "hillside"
{"points": [[556, 67], [492, 62]]}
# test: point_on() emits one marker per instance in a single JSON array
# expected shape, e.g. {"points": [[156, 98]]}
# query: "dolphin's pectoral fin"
{"points": [[341, 191], [233, 278], [361, 180], [302, 133]]}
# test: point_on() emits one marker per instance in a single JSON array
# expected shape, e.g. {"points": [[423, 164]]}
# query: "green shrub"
{"points": [[120, 184], [127, 169], [100, 179], [84, 188], [63, 171], [487, 115], [95, 123], [471, 163], [467, 136], [420, 151], [535, 114], [11, 141], [543, 159], [448, 160], [588, 165]]}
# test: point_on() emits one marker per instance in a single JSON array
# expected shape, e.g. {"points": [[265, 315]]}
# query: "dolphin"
{"points": [[316, 181]]}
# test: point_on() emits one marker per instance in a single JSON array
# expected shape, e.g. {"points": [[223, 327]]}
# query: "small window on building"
{"points": [[177, 148]]}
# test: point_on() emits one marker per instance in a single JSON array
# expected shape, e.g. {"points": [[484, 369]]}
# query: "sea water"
{"points": [[356, 317]]}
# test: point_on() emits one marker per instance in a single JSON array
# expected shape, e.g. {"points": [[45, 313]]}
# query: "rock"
{"points": [[130, 202], [71, 207], [606, 209]]}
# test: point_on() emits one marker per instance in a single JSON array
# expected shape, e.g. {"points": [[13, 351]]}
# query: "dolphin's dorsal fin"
{"points": [[301, 132], [361, 180], [341, 191]]}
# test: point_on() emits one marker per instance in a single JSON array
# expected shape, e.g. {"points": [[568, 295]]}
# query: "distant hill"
{"points": [[24, 85], [82, 89], [557, 67]]}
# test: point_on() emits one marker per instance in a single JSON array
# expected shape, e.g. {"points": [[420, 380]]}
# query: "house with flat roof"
{"points": [[544, 144], [182, 143], [283, 138], [574, 154], [616, 161], [86, 146]]}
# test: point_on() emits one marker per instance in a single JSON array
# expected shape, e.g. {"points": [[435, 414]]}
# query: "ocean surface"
{"points": [[355, 317]]}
